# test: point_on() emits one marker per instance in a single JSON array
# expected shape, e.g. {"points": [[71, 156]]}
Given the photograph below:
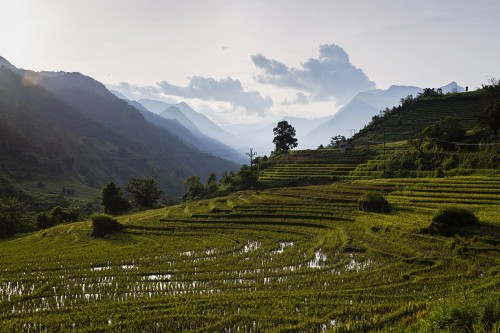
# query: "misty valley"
{"points": [[141, 215]]}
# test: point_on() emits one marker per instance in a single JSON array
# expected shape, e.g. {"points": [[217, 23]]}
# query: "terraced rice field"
{"points": [[320, 165], [416, 117], [298, 259], [283, 172]]}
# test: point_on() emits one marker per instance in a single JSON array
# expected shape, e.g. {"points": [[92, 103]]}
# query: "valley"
{"points": [[283, 245]]}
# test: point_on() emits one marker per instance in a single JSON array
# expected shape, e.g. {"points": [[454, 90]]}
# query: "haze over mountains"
{"points": [[194, 121], [171, 118], [57, 125], [359, 111], [350, 118], [311, 133], [150, 130]]}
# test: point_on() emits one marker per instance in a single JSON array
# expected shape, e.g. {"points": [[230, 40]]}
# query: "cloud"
{"points": [[224, 90], [271, 67], [300, 98], [329, 76], [208, 89], [135, 92]]}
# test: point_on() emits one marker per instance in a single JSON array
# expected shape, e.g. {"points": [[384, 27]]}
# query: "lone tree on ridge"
{"points": [[284, 137]]}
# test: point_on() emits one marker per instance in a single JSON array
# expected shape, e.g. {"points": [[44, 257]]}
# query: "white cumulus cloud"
{"points": [[224, 90], [330, 76]]}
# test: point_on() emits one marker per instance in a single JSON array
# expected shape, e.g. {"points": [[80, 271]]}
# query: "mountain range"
{"points": [[171, 118], [58, 125], [349, 119]]}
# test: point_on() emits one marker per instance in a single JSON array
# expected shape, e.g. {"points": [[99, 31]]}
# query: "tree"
{"points": [[13, 216], [112, 199], [227, 180], [490, 119], [448, 129], [418, 142], [336, 141], [144, 193], [211, 186], [429, 93], [193, 188], [61, 215], [284, 137], [44, 221], [452, 127]]}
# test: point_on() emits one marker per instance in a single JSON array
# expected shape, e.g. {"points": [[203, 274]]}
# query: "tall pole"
{"points": [[251, 154]]}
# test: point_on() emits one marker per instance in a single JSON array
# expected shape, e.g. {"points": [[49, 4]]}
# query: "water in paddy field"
{"points": [[128, 281]]}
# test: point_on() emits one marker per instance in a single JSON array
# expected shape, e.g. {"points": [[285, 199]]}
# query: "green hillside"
{"points": [[301, 259], [80, 136], [406, 121], [382, 148]]}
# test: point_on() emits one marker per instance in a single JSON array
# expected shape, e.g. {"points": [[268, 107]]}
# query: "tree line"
{"points": [[138, 194]]}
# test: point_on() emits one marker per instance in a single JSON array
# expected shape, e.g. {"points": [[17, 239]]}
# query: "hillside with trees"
{"points": [[67, 130]]}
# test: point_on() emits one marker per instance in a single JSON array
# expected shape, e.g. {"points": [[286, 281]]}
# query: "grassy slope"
{"points": [[410, 120], [297, 258], [323, 165], [378, 140]]}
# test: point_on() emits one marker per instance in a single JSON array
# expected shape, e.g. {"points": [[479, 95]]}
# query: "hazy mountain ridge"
{"points": [[189, 117], [359, 111], [5, 63], [188, 134], [263, 137], [69, 125], [310, 133], [173, 112], [351, 116]]}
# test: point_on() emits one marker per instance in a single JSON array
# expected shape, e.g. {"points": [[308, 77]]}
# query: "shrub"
{"points": [[60, 215], [374, 202], [439, 173], [449, 219], [104, 224], [479, 314], [44, 221]]}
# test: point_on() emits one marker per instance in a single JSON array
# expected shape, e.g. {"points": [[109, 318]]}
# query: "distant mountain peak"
{"points": [[119, 95], [173, 108], [5, 63], [452, 87]]}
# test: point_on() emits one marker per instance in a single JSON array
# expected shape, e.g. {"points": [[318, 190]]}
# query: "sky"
{"points": [[240, 61]]}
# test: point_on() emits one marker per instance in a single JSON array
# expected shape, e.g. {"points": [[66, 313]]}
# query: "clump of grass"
{"points": [[463, 316], [448, 219], [374, 201], [103, 224]]}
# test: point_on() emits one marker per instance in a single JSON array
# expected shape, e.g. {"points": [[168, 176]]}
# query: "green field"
{"points": [[322, 165], [414, 118], [301, 259]]}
